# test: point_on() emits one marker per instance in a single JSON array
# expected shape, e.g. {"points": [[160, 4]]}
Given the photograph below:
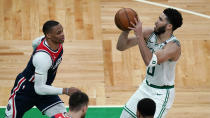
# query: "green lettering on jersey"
{"points": [[149, 72]]}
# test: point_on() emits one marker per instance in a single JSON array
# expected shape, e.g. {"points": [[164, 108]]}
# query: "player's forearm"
{"points": [[122, 41], [41, 88], [48, 90], [144, 50]]}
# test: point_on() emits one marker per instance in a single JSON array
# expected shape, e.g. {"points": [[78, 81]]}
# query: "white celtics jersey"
{"points": [[164, 73]]}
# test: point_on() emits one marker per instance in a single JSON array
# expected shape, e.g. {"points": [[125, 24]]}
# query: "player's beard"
{"points": [[160, 30]]}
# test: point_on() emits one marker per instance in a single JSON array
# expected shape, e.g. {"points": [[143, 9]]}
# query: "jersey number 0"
{"points": [[151, 71]]}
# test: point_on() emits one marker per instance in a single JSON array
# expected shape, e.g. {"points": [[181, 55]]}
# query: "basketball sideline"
{"points": [[93, 112]]}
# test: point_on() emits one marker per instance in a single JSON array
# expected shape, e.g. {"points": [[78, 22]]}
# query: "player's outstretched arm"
{"points": [[142, 36], [42, 63], [125, 42]]}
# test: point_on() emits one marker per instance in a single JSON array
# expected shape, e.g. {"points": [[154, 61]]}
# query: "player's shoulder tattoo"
{"points": [[177, 42]]}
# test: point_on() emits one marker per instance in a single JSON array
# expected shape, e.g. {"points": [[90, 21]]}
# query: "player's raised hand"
{"points": [[69, 91], [136, 27]]}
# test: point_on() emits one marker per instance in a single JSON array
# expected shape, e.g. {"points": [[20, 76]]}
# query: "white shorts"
{"points": [[163, 98]]}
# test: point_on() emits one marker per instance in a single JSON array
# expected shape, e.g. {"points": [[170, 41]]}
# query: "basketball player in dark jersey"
{"points": [[32, 86]]}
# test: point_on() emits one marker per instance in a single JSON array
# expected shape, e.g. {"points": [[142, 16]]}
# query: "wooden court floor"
{"points": [[91, 61]]}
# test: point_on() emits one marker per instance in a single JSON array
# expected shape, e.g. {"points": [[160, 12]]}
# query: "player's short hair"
{"points": [[146, 107], [48, 25], [77, 100], [174, 17]]}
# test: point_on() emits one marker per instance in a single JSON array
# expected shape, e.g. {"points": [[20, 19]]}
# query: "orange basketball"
{"points": [[123, 18]]}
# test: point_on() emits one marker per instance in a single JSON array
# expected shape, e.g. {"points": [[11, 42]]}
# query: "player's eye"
{"points": [[59, 32]]}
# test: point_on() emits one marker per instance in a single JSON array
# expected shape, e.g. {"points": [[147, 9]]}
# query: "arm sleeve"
{"points": [[42, 62], [37, 41]]}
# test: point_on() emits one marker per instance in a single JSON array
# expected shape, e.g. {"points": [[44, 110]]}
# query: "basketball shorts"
{"points": [[163, 98], [23, 98]]}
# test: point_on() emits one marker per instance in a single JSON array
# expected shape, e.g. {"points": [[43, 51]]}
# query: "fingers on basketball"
{"points": [[125, 18]]}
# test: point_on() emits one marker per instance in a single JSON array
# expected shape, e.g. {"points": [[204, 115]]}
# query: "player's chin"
{"points": [[155, 28], [61, 41]]}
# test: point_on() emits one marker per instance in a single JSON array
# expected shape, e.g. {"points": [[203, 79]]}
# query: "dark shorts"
{"points": [[23, 98]]}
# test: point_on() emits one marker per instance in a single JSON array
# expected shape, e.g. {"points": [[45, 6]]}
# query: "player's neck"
{"points": [[148, 117], [140, 116], [164, 36], [75, 114], [52, 45]]}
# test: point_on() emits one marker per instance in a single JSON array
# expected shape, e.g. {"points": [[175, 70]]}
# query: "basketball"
{"points": [[123, 17]]}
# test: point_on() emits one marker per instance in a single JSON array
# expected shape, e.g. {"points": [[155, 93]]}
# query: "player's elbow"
{"points": [[147, 63], [120, 48], [34, 45]]}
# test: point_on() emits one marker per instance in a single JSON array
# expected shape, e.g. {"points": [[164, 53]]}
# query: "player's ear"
{"points": [[48, 35], [169, 26], [84, 108]]}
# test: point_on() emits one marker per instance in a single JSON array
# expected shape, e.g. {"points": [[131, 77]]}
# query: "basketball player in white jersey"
{"points": [[160, 51]]}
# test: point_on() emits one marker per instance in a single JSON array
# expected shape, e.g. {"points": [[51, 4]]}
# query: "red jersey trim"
{"points": [[61, 115], [54, 55]]}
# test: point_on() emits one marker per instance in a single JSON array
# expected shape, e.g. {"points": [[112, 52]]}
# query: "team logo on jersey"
{"points": [[23, 86], [54, 56], [8, 107]]}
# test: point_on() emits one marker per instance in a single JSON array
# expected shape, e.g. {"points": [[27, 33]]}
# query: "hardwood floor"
{"points": [[91, 60]]}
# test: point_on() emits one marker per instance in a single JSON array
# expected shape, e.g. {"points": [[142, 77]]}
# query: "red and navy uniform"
{"points": [[23, 94], [61, 115]]}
